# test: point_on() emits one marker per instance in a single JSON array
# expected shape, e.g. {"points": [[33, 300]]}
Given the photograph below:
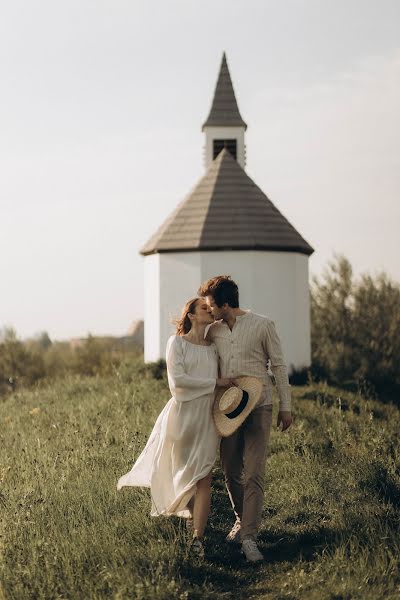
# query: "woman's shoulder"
{"points": [[174, 341], [173, 346]]}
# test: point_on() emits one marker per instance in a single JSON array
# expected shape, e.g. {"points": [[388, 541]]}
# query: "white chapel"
{"points": [[228, 226]]}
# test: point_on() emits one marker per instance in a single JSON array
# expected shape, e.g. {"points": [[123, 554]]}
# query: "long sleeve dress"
{"points": [[183, 444]]}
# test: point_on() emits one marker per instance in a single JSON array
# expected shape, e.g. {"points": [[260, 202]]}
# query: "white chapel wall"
{"points": [[274, 284], [271, 283], [152, 307], [179, 282]]}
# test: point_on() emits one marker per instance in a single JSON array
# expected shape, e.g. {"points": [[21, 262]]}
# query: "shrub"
{"points": [[18, 363], [354, 326], [23, 363]]}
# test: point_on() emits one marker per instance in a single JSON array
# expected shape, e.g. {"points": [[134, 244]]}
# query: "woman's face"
{"points": [[218, 312], [202, 314]]}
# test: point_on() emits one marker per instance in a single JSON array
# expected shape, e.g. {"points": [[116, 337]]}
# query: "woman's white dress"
{"points": [[183, 444]]}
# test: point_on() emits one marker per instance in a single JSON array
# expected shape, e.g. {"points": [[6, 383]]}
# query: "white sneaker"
{"points": [[233, 536], [197, 548], [251, 552]]}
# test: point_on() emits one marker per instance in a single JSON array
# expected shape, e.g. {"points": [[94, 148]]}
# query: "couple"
{"points": [[177, 460]]}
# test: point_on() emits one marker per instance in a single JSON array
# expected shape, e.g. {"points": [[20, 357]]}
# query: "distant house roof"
{"points": [[224, 109], [136, 333], [226, 210]]}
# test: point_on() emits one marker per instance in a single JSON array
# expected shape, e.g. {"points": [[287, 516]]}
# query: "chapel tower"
{"points": [[224, 126]]}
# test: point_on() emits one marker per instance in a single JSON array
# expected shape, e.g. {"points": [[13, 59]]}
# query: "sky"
{"points": [[101, 109]]}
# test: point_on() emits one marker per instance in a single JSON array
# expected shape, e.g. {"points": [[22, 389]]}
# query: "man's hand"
{"points": [[225, 382], [284, 417]]}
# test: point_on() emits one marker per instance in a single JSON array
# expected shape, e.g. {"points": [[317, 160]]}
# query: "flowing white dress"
{"points": [[183, 444]]}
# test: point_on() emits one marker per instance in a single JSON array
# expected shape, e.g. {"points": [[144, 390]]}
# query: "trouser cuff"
{"points": [[248, 536]]}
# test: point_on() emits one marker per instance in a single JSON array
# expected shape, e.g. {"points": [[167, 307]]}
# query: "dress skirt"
{"points": [[183, 444]]}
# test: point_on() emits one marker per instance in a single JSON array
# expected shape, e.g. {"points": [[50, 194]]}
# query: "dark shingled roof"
{"points": [[226, 210], [224, 110]]}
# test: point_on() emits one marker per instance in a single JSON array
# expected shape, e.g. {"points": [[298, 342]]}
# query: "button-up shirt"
{"points": [[247, 350]]}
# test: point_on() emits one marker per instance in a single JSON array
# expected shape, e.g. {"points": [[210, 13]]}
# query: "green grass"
{"points": [[330, 527]]}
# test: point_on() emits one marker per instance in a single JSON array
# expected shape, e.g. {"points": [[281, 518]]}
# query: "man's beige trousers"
{"points": [[243, 457]]}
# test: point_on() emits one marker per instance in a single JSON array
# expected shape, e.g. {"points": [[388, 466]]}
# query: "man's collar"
{"points": [[208, 327], [247, 311]]}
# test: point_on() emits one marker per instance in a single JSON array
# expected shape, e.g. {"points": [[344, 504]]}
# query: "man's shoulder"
{"points": [[261, 319], [214, 329]]}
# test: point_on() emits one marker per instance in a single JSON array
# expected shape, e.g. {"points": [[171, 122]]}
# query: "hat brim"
{"points": [[226, 426]]}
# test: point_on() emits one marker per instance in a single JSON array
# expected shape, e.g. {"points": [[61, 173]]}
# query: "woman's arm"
{"points": [[184, 387]]}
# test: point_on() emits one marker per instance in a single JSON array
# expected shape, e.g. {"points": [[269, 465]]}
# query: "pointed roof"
{"points": [[224, 110], [226, 210]]}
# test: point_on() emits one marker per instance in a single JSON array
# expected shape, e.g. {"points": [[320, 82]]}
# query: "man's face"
{"points": [[216, 311]]}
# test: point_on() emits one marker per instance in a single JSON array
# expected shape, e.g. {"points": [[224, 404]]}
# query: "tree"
{"points": [[355, 325], [376, 325], [17, 362], [331, 319]]}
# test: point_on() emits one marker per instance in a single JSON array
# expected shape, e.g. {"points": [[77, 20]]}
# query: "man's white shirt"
{"points": [[247, 350]]}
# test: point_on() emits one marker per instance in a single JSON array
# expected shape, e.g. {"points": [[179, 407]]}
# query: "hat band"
{"points": [[240, 407]]}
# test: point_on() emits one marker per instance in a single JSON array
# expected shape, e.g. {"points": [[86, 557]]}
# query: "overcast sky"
{"points": [[101, 108]]}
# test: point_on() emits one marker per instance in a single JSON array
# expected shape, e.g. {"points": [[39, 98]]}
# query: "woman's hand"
{"points": [[225, 382]]}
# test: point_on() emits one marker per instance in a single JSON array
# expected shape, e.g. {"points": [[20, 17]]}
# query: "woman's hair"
{"points": [[223, 289], [184, 324]]}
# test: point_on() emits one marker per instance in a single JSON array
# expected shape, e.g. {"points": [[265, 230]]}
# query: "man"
{"points": [[246, 342]]}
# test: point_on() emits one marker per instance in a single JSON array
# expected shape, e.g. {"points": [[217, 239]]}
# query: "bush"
{"points": [[354, 326], [18, 363], [23, 363]]}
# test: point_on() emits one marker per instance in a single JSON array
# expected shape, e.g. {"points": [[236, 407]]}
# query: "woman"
{"points": [[177, 460]]}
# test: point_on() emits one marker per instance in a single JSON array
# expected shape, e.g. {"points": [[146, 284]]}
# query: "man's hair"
{"points": [[223, 289]]}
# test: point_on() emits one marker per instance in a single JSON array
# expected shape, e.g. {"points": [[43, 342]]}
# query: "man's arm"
{"points": [[273, 349]]}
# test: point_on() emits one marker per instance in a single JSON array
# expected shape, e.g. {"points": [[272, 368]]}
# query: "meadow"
{"points": [[330, 527]]}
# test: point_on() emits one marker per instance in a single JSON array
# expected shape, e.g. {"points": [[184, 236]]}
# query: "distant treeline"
{"points": [[23, 363], [355, 338]]}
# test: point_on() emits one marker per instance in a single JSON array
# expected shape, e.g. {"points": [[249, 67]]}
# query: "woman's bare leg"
{"points": [[190, 506], [201, 508]]}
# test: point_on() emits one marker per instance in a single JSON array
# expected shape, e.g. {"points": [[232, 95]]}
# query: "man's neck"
{"points": [[230, 318]]}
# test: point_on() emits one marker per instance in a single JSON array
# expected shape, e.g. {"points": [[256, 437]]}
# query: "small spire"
{"points": [[224, 110]]}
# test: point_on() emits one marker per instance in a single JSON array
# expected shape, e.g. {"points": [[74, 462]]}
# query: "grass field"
{"points": [[331, 526]]}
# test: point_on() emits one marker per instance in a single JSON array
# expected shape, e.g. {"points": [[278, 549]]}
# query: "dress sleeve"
{"points": [[273, 348], [184, 387]]}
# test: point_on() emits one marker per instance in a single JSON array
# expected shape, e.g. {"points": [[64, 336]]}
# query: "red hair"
{"points": [[184, 324]]}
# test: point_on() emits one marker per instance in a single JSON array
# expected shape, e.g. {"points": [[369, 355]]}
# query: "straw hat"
{"points": [[232, 405]]}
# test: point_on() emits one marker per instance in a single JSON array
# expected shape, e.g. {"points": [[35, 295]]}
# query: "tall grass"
{"points": [[330, 527]]}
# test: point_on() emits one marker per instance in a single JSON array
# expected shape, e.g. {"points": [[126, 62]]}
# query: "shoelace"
{"points": [[236, 527]]}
